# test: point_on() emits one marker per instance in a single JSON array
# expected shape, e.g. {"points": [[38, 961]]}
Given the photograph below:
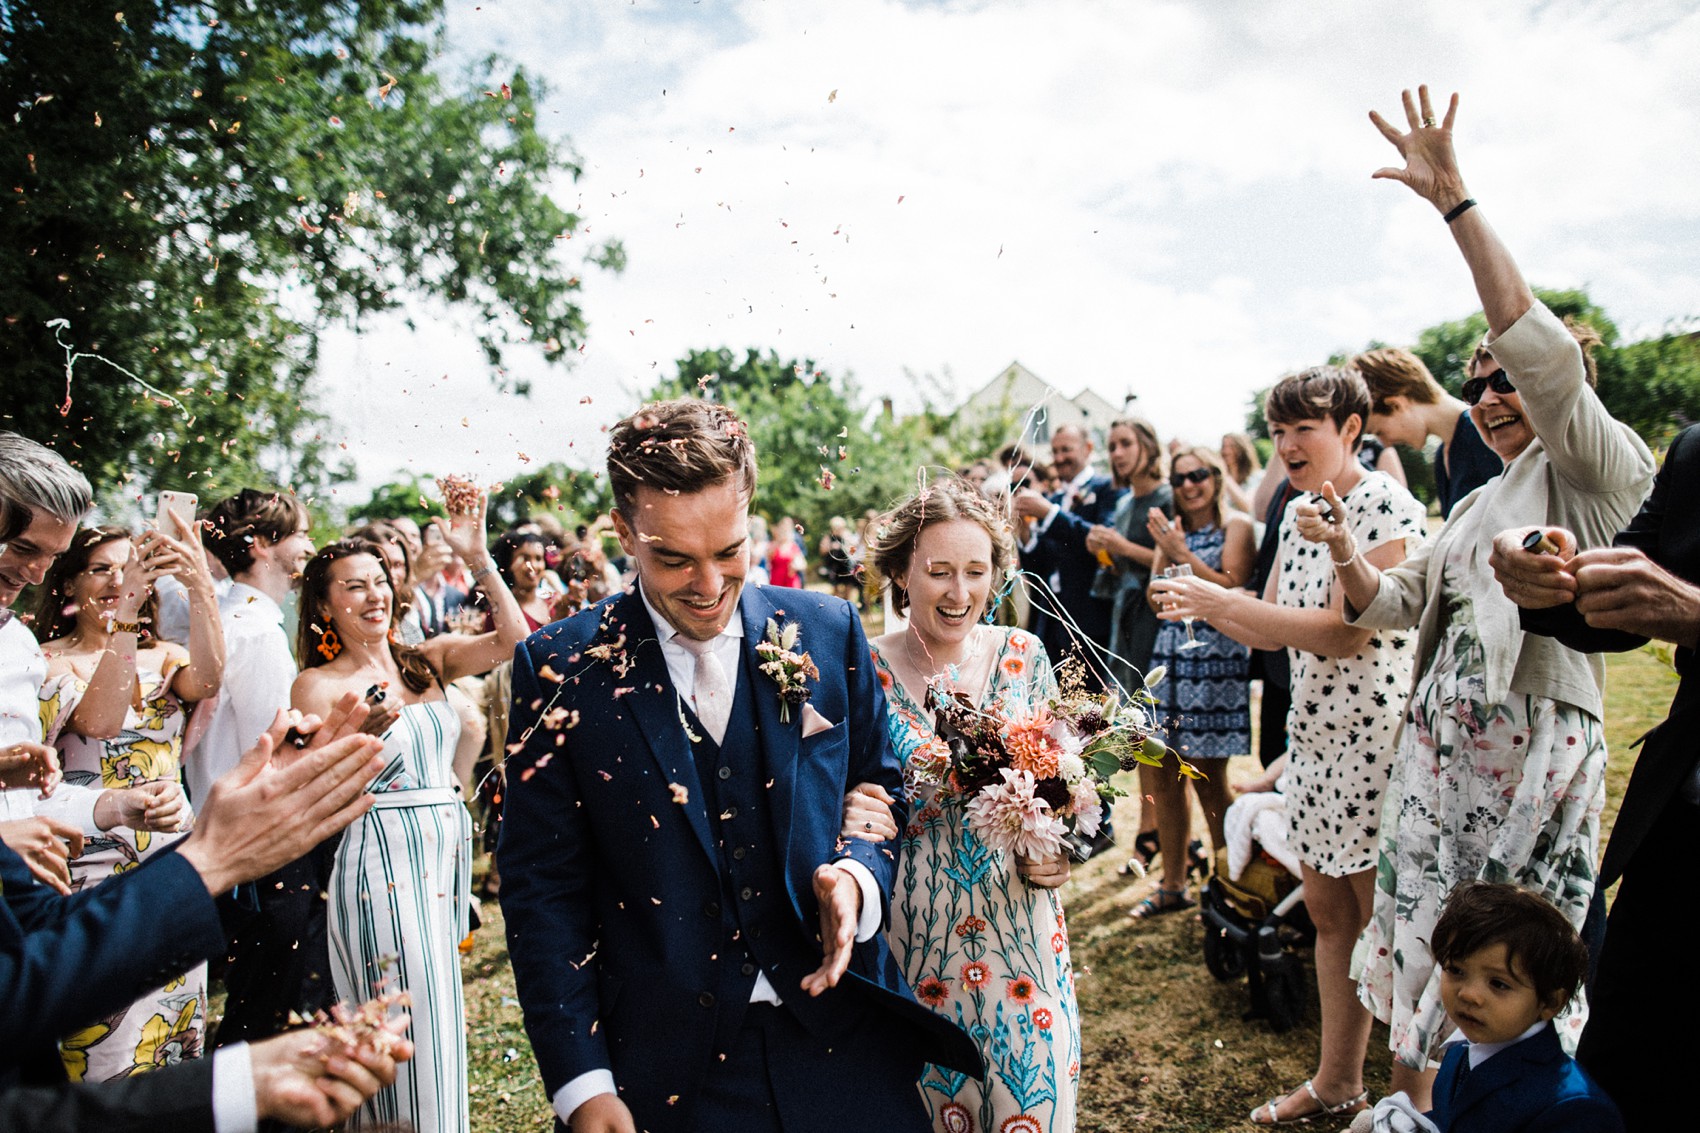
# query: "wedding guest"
{"points": [[1245, 472], [785, 560], [1055, 551], [115, 705], [1501, 766], [1137, 464], [1407, 407], [402, 874], [1346, 684], [990, 952], [518, 557], [836, 562], [1646, 585], [276, 960], [1204, 700]]}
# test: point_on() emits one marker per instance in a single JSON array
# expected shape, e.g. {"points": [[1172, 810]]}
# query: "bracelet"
{"points": [[1352, 558], [125, 627], [1460, 209], [482, 573]]}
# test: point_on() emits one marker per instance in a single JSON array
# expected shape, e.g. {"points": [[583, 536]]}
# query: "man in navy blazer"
{"points": [[694, 947], [1055, 550]]}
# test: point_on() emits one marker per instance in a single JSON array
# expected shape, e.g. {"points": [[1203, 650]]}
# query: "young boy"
{"points": [[1509, 961]]}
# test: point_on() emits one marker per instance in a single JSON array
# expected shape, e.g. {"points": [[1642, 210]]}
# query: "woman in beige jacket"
{"points": [[1500, 771]]}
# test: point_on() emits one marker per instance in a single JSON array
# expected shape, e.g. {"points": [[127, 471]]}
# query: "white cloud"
{"points": [[1172, 197]]}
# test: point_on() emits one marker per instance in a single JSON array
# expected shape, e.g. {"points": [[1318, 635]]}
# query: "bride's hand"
{"points": [[867, 814], [1045, 873]]}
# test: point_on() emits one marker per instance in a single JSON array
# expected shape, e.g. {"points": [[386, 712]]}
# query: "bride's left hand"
{"points": [[1045, 873]]}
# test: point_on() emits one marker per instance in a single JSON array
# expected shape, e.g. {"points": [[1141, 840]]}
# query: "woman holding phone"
{"points": [[115, 705], [401, 881]]}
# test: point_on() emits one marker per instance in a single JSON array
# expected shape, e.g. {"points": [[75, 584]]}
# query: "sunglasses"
{"points": [[1196, 476], [1475, 387]]}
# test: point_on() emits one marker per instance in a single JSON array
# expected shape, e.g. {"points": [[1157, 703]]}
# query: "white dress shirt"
{"points": [[681, 667], [23, 672], [258, 672]]}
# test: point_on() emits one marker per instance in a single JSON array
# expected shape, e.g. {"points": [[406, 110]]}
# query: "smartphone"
{"points": [[182, 504]]}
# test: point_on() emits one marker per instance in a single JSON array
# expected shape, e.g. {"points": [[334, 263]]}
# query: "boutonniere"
{"points": [[1088, 499], [785, 667]]}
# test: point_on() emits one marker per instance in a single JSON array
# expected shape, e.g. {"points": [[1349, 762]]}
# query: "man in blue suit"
{"points": [[695, 949], [1055, 549]]}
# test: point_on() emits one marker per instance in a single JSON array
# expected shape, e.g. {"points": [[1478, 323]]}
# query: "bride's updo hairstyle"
{"points": [[940, 502]]}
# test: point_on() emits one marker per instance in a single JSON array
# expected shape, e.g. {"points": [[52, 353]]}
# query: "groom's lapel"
{"points": [[656, 707], [778, 741]]}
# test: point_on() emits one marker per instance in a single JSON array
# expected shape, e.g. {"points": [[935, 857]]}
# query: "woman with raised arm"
{"points": [[115, 704], [1501, 767], [398, 902]]}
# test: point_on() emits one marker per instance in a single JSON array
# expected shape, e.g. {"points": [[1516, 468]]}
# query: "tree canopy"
{"points": [[197, 192]]}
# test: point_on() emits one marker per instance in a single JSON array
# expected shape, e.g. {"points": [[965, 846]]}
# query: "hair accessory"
{"points": [[330, 645], [1460, 209]]}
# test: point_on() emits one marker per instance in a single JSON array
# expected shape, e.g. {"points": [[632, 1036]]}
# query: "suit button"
{"points": [[749, 969], [725, 772], [706, 999], [746, 892], [738, 854], [712, 909]]}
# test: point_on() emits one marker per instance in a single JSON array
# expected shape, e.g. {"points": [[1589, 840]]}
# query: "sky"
{"points": [[1168, 199]]}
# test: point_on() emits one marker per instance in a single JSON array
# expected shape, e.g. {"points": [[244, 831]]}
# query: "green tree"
{"points": [[823, 449], [415, 497], [197, 192]]}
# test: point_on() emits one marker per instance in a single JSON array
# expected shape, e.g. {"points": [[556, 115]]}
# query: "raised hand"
{"points": [[159, 805], [45, 845], [1325, 522], [300, 1082], [1532, 579], [29, 764], [464, 531], [1431, 168], [1168, 534]]}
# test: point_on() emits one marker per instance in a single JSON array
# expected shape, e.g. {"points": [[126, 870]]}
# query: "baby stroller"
{"points": [[1255, 922]]}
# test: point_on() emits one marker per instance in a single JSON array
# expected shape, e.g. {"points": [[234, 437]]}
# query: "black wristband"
{"points": [[1460, 209]]}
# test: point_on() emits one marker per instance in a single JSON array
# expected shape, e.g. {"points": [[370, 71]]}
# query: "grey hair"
{"points": [[35, 478]]}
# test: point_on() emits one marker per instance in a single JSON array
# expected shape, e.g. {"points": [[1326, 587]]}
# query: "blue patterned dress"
{"points": [[981, 946], [1205, 700]]}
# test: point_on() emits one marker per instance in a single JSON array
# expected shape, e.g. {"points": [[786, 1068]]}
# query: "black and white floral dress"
{"points": [[1346, 710]]}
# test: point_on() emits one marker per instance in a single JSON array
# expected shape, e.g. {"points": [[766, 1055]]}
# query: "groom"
{"points": [[695, 948]]}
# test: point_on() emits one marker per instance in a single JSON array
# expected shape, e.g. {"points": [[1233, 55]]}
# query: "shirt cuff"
{"points": [[17, 804], [235, 1109], [575, 1093], [873, 902], [72, 803]]}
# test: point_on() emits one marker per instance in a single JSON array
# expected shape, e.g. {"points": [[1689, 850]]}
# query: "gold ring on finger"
{"points": [[1429, 122]]}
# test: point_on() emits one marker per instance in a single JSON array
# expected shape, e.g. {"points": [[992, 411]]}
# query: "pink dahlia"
{"points": [[1088, 809], [1007, 816]]}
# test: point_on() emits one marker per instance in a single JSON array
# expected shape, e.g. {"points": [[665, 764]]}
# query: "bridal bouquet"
{"points": [[1028, 775]]}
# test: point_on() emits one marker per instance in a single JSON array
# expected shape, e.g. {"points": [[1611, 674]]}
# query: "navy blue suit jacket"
{"points": [[67, 961], [1062, 550], [609, 864], [176, 1098], [1531, 1086]]}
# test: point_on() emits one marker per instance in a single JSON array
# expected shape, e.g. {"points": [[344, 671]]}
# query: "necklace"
{"points": [[951, 672]]}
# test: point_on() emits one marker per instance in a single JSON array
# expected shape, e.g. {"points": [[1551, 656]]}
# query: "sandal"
{"points": [[1197, 865], [1145, 849], [1162, 901], [1323, 1109]]}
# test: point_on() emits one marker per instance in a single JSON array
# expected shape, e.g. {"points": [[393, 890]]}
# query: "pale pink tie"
{"points": [[713, 694]]}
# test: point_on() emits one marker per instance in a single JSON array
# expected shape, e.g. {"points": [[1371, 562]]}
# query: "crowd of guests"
{"points": [[231, 755]]}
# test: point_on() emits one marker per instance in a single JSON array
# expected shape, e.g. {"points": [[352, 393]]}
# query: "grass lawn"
{"points": [[1166, 1049]]}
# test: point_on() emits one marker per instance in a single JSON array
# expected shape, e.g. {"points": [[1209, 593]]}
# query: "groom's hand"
{"points": [[604, 1113], [840, 899]]}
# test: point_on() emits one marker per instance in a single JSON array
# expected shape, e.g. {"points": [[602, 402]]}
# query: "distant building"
{"points": [[1020, 393]]}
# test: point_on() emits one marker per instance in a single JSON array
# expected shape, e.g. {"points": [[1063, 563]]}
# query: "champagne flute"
{"points": [[1184, 570]]}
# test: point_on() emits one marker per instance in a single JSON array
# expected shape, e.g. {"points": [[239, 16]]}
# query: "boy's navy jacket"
{"points": [[1529, 1086]]}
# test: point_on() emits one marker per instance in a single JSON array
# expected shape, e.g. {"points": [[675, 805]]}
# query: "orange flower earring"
{"points": [[330, 645]]}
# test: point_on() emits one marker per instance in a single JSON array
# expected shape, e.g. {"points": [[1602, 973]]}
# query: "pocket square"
{"points": [[813, 722]]}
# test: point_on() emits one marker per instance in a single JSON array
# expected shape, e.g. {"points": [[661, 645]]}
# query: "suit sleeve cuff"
{"points": [[873, 902], [235, 1109], [580, 1090]]}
